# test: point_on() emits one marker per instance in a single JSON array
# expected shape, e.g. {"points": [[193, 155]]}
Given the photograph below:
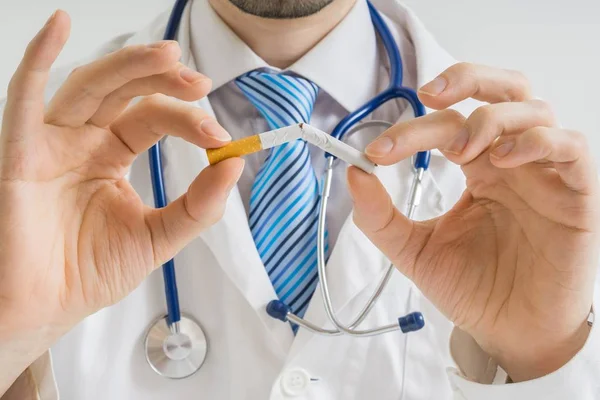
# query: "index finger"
{"points": [[25, 102], [435, 130], [146, 122], [83, 92], [464, 80]]}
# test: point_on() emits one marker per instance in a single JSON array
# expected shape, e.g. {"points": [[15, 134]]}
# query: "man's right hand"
{"points": [[74, 235]]}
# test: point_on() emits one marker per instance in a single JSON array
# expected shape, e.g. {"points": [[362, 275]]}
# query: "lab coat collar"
{"points": [[349, 51]]}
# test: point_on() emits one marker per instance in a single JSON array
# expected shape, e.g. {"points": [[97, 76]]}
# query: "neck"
{"points": [[281, 42]]}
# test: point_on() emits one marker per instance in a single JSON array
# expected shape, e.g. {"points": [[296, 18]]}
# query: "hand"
{"points": [[513, 263], [75, 236]]}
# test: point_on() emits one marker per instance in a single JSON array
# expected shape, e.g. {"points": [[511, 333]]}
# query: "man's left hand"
{"points": [[513, 263]]}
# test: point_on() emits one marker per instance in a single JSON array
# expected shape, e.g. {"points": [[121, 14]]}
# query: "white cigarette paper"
{"points": [[320, 139]]}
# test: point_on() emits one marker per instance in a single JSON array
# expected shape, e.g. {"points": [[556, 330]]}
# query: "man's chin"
{"points": [[281, 9]]}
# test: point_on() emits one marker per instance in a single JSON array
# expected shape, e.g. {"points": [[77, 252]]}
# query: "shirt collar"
{"points": [[344, 64]]}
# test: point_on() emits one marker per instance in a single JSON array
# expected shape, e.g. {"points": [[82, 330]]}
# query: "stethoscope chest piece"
{"points": [[176, 351]]}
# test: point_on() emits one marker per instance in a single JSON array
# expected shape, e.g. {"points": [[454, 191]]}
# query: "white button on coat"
{"points": [[295, 382]]}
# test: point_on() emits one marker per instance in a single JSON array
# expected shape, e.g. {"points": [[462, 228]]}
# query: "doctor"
{"points": [[503, 269]]}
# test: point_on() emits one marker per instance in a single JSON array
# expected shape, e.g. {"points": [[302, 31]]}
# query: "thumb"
{"points": [[398, 237], [174, 226]]}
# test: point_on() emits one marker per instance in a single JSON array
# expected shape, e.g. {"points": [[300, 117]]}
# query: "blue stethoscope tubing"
{"points": [[158, 185], [395, 90]]}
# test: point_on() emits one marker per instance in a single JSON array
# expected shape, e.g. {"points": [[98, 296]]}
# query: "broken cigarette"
{"points": [[312, 135]]}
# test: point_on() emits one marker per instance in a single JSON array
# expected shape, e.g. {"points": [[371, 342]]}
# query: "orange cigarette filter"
{"points": [[237, 148]]}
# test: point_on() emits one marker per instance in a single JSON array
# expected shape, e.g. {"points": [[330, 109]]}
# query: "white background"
{"points": [[555, 42]]}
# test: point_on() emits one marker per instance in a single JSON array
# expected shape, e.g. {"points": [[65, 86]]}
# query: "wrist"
{"points": [[21, 347], [543, 356], [16, 356]]}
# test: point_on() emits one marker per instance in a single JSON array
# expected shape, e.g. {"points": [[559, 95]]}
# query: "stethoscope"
{"points": [[175, 344]]}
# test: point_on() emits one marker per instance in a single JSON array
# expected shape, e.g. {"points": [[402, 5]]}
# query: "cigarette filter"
{"points": [[236, 148]]}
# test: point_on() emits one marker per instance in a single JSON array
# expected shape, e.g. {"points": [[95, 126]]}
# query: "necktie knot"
{"points": [[281, 99]]}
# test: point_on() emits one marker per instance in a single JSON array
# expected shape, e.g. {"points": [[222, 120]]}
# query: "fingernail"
{"points": [[459, 143], [212, 128], [503, 149], [380, 147], [190, 76], [160, 45], [435, 87]]}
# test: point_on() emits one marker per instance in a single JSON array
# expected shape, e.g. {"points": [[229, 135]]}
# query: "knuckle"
{"points": [[486, 115], [133, 51], [519, 78], [464, 74], [536, 138], [126, 57], [81, 77], [579, 141], [153, 102], [463, 69], [164, 56], [578, 137], [122, 61], [453, 116], [541, 105], [408, 131], [537, 133], [544, 108], [486, 121], [521, 87]]}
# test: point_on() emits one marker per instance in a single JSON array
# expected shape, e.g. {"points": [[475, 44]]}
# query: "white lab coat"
{"points": [[222, 284]]}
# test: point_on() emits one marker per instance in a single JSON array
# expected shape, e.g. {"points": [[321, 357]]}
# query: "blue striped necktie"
{"points": [[284, 201]]}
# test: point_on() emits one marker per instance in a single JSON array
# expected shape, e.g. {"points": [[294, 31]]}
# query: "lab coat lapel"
{"points": [[230, 239]]}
